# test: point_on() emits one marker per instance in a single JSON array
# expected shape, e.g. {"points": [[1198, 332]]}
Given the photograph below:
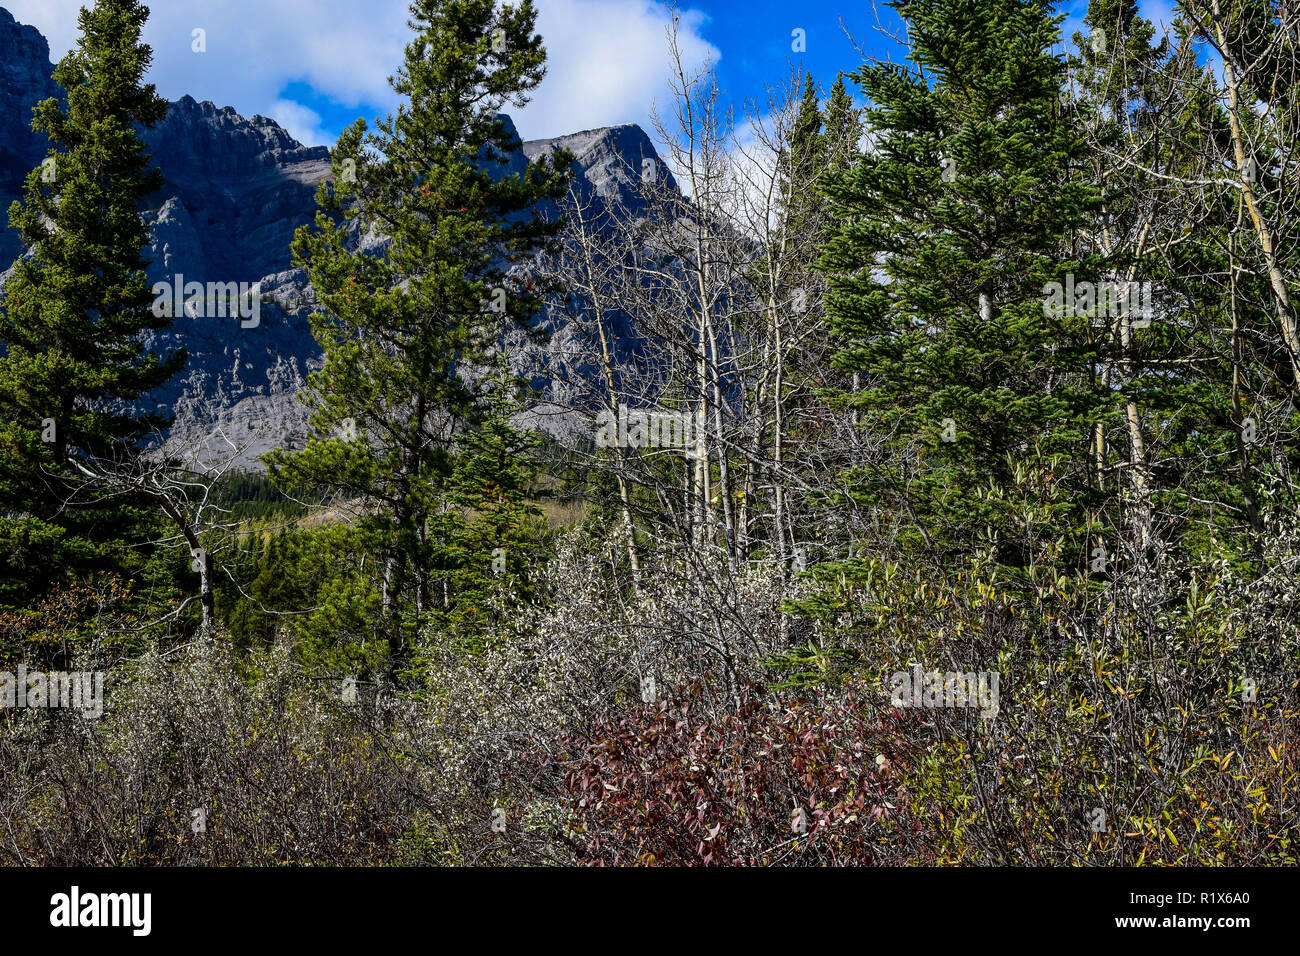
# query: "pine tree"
{"points": [[950, 229], [805, 144], [487, 538], [800, 163], [400, 329], [71, 318], [842, 128], [1212, 367]]}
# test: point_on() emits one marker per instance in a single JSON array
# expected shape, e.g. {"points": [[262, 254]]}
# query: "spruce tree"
{"points": [[488, 539], [805, 138], [71, 318], [950, 229], [841, 128], [401, 328]]}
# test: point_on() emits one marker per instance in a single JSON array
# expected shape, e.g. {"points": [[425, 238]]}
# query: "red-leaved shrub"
{"points": [[785, 779]]}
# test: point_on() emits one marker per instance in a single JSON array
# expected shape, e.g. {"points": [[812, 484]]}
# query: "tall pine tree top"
{"points": [[842, 128], [403, 330], [72, 313]]}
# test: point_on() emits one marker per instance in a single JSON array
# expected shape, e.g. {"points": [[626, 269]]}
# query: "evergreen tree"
{"points": [[842, 128], [487, 538], [400, 328], [950, 230], [71, 318], [805, 142]]}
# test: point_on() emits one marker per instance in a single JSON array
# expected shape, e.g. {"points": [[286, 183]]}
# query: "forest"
{"points": [[917, 485]]}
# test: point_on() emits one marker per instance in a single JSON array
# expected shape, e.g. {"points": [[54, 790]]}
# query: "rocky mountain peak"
{"points": [[236, 190], [200, 138], [610, 163]]}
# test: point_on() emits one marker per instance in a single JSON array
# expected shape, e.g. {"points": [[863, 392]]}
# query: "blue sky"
{"points": [[315, 65]]}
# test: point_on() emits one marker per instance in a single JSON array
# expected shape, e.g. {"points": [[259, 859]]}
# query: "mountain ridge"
{"points": [[236, 190]]}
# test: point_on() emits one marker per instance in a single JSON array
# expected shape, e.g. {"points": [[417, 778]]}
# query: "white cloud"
{"points": [[344, 50], [607, 57], [607, 63], [301, 122]]}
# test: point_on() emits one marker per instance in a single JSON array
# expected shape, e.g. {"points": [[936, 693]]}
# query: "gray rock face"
{"points": [[609, 164], [24, 81], [236, 190], [243, 185]]}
